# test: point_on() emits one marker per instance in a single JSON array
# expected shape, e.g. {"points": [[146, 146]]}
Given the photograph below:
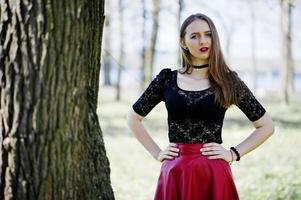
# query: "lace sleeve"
{"points": [[249, 105], [153, 94]]}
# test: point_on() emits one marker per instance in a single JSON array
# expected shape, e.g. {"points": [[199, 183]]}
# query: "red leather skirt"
{"points": [[192, 176]]}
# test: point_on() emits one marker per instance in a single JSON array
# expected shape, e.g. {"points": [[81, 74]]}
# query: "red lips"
{"points": [[204, 49]]}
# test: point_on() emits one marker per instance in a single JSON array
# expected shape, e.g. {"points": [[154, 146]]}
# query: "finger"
{"points": [[172, 145], [173, 149], [163, 157], [167, 157], [211, 144], [172, 154], [215, 157], [211, 153], [213, 148], [166, 152], [207, 149]]}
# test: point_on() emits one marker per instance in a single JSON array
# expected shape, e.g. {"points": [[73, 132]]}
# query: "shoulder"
{"points": [[165, 74], [244, 93], [165, 71], [242, 86], [236, 82], [169, 71]]}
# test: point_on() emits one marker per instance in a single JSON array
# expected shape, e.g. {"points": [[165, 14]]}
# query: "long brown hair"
{"points": [[222, 79]]}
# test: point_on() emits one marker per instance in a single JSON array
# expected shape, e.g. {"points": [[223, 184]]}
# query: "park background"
{"points": [[141, 37]]}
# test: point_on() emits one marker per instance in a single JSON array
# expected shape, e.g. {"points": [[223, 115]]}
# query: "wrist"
{"points": [[232, 157], [235, 153], [156, 155]]}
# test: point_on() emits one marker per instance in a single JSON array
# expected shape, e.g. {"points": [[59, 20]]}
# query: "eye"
{"points": [[193, 37], [208, 34]]}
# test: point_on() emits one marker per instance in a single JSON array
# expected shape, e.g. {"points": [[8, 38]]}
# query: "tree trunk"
{"points": [[179, 20], [51, 141], [143, 49], [253, 45], [149, 56], [107, 43], [121, 51], [286, 7]]}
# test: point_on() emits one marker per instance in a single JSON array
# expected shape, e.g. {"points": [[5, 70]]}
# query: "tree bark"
{"points": [[51, 141]]}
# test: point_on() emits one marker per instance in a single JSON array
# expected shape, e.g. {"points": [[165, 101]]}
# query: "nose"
{"points": [[203, 39]]}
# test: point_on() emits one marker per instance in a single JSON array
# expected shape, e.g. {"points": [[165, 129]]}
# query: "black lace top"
{"points": [[193, 116]]}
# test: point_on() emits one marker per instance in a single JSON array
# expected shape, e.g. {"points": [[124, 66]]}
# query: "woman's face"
{"points": [[198, 41]]}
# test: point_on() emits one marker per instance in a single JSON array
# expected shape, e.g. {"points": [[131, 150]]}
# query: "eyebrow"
{"points": [[198, 32]]}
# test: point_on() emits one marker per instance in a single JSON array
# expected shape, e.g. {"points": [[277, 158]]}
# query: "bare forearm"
{"points": [[256, 138], [143, 137]]}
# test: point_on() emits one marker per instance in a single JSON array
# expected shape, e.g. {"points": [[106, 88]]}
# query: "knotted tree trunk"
{"points": [[51, 145]]}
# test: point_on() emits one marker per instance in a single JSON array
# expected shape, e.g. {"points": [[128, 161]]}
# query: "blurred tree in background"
{"points": [[286, 25], [149, 54], [107, 41], [51, 141], [251, 32], [143, 37], [121, 7]]}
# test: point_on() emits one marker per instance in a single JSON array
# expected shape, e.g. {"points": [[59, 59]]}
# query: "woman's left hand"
{"points": [[216, 151]]}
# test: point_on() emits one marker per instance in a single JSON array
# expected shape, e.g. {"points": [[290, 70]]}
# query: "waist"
{"points": [[189, 148]]}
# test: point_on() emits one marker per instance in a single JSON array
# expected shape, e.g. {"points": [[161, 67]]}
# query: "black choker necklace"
{"points": [[200, 66]]}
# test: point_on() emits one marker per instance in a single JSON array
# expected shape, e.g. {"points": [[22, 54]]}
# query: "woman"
{"points": [[196, 164]]}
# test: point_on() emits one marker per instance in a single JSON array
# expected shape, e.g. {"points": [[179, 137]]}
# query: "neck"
{"points": [[200, 66], [201, 72], [198, 62]]}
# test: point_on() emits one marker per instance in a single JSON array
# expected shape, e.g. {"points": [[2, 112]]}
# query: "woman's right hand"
{"points": [[168, 153]]}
